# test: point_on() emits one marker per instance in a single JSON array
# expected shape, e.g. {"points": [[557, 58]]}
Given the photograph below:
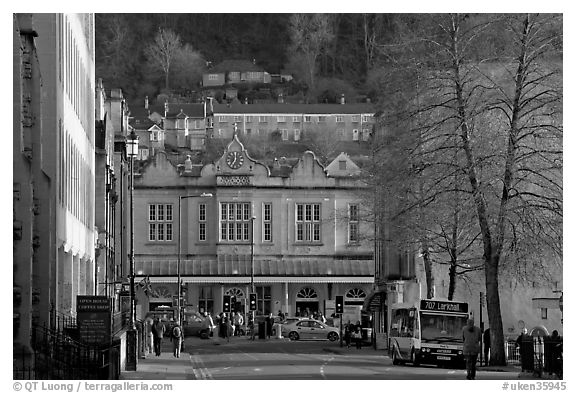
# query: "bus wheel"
{"points": [[395, 360], [414, 359]]}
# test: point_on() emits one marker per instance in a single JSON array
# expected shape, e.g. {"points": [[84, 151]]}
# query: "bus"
{"points": [[428, 332]]}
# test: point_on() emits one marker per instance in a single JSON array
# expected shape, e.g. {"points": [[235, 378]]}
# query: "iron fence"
{"points": [[536, 354]]}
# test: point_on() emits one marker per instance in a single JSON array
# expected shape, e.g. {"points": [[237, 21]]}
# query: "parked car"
{"points": [[194, 324], [310, 329]]}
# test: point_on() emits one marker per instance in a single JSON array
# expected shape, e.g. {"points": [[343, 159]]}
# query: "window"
{"points": [[284, 132], [308, 222], [296, 134], [340, 134], [222, 119], [248, 119], [206, 300], [212, 77], [342, 165], [281, 119], [295, 119], [248, 131], [267, 222], [160, 222], [365, 118], [355, 296], [321, 119], [262, 119], [354, 134], [307, 293], [238, 119], [365, 134], [153, 136], [353, 236], [544, 313], [307, 119], [264, 300], [339, 119], [355, 119], [235, 75], [202, 222], [235, 222]]}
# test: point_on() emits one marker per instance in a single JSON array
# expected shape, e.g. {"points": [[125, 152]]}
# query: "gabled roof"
{"points": [[234, 65], [294, 108]]}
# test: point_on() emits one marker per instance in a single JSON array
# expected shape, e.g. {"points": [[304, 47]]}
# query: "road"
{"points": [[241, 358]]}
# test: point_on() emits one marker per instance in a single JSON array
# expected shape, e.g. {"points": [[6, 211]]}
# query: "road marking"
{"points": [[199, 369]]}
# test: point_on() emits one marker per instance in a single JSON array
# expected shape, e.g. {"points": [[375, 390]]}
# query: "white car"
{"points": [[310, 329]]}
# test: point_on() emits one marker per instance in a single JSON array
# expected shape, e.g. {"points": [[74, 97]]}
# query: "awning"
{"points": [[263, 280], [237, 266], [374, 301]]}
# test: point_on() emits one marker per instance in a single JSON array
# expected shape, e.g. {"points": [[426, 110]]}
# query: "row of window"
{"points": [[295, 118], [297, 133], [235, 75], [74, 77], [76, 186], [236, 220]]}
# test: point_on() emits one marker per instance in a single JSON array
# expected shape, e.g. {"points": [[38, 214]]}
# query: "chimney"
{"points": [[165, 108], [146, 102], [188, 164], [342, 99], [280, 98]]}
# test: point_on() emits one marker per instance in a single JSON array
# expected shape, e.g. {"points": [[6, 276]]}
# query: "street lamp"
{"points": [[203, 195], [131, 337], [252, 271]]}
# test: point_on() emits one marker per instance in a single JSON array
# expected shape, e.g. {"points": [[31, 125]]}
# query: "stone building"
{"points": [[292, 230], [53, 166]]}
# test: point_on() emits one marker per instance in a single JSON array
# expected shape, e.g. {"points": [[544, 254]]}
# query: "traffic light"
{"points": [[226, 303], [252, 302], [339, 304], [233, 303]]}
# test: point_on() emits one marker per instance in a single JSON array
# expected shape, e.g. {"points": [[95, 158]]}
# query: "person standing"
{"points": [[486, 338], [150, 335], [472, 337], [159, 330], [269, 324], [358, 335], [347, 333], [238, 322], [519, 345], [177, 338]]}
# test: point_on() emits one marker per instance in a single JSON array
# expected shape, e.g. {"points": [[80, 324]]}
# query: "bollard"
{"points": [[278, 331]]}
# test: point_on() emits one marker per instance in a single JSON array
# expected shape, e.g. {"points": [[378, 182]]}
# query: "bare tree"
{"points": [[163, 50], [310, 34]]}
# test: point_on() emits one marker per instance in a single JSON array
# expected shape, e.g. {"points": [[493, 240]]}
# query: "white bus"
{"points": [[428, 332]]}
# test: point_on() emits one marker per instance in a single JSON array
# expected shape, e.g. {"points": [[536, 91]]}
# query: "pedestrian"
{"points": [[486, 338], [177, 337], [269, 324], [150, 334], [251, 326], [347, 334], [519, 345], [159, 330], [357, 335], [223, 327], [238, 322], [321, 318], [281, 315], [472, 337]]}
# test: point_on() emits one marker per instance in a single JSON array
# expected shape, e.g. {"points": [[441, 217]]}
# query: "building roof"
{"points": [[174, 109], [234, 65], [294, 108]]}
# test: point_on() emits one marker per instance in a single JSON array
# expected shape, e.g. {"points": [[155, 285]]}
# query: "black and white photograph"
{"points": [[304, 198]]}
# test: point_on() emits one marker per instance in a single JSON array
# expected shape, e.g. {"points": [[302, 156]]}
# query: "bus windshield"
{"points": [[442, 328]]}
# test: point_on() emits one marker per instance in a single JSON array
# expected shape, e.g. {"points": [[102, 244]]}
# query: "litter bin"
{"points": [[262, 330]]}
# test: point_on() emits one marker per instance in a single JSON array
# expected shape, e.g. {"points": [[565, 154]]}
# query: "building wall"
{"points": [[160, 183], [66, 55]]}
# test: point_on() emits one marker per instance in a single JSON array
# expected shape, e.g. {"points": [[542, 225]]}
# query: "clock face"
{"points": [[234, 159]]}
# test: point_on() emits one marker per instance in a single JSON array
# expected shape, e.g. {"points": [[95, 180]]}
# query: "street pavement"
{"points": [[241, 358]]}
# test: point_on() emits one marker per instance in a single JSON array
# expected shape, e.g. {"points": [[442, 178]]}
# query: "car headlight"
{"points": [[459, 352]]}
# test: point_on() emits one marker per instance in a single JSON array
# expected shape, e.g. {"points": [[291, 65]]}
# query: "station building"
{"points": [[293, 230]]}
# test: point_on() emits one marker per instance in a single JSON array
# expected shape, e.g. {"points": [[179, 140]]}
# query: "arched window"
{"points": [[355, 296], [237, 292], [307, 293]]}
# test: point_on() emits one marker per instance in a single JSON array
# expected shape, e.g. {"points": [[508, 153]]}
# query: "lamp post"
{"points": [[131, 336], [203, 195], [252, 270]]}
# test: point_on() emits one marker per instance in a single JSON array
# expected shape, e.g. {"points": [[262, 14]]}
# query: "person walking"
{"points": [[486, 338], [519, 345], [357, 335], [269, 324], [238, 322], [472, 337], [177, 337], [159, 330], [347, 334], [150, 335]]}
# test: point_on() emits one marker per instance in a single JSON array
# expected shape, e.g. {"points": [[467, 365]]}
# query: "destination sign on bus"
{"points": [[439, 305]]}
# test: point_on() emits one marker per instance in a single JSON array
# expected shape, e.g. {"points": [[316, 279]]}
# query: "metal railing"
{"points": [[536, 354]]}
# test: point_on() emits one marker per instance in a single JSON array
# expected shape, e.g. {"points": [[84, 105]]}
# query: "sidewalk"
{"points": [[166, 366]]}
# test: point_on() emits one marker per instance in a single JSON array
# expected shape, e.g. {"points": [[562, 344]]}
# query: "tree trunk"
{"points": [[497, 352], [428, 268]]}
